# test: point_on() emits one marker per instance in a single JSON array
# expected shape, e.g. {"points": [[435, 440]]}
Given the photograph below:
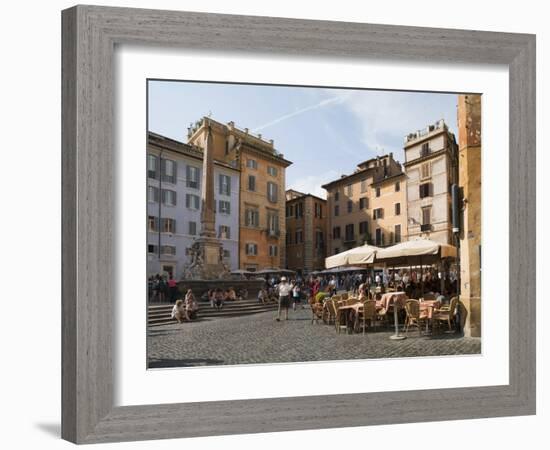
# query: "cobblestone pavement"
{"points": [[260, 339]]}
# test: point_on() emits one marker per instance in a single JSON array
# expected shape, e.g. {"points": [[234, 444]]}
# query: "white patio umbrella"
{"points": [[416, 248], [359, 255]]}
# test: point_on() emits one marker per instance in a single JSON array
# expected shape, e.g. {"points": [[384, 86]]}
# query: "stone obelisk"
{"points": [[208, 264], [208, 218]]}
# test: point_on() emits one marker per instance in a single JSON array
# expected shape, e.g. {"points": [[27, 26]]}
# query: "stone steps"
{"points": [[160, 314]]}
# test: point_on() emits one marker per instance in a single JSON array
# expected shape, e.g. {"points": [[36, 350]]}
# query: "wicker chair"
{"points": [[344, 296], [369, 313], [414, 315], [337, 315], [328, 312], [446, 313]]}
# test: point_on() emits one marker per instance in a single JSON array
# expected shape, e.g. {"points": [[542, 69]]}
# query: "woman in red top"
{"points": [[172, 289]]}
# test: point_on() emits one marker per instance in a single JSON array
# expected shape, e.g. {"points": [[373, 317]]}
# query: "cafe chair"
{"points": [[446, 313], [369, 313], [414, 315], [339, 321]]}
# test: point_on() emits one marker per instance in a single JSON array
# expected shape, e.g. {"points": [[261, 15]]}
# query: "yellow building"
{"points": [[306, 231], [368, 206], [262, 186], [469, 180]]}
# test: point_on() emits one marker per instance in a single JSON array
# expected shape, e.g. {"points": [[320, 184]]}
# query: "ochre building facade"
{"points": [[306, 231], [469, 180], [262, 229]]}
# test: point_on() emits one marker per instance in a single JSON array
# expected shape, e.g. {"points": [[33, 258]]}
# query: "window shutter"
{"points": [[228, 207], [220, 184], [163, 169], [228, 185], [175, 172]]}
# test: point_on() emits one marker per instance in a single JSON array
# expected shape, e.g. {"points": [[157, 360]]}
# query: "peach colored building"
{"points": [[262, 186], [368, 206]]}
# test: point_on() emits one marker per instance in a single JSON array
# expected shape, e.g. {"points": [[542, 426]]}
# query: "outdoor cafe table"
{"points": [[350, 310], [428, 306], [353, 310]]}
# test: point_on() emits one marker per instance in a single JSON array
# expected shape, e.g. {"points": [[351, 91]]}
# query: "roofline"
{"points": [[347, 177], [427, 137], [266, 148], [303, 196], [391, 177], [197, 155]]}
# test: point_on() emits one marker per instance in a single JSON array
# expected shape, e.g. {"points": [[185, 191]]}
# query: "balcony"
{"points": [[426, 227], [273, 233]]}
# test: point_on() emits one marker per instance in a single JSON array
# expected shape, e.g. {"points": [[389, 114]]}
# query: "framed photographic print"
{"points": [[274, 230]]}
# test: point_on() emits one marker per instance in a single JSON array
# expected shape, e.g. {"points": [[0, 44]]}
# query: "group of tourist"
{"points": [[162, 289], [414, 283], [217, 297]]}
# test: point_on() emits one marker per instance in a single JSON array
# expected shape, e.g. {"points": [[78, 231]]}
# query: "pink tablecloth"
{"points": [[428, 306], [393, 297]]}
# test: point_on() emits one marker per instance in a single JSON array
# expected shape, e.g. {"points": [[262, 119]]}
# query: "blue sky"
{"points": [[324, 132]]}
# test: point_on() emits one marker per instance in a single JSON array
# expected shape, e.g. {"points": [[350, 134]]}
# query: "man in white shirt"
{"points": [[284, 289]]}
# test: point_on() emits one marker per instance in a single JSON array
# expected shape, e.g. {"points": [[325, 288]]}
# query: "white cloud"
{"points": [[325, 102], [386, 117]]}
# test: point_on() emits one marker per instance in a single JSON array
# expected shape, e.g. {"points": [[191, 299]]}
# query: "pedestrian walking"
{"points": [[156, 288], [172, 289], [284, 289], [296, 296]]}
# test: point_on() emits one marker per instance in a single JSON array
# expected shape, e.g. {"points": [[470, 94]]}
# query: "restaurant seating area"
{"points": [[348, 313]]}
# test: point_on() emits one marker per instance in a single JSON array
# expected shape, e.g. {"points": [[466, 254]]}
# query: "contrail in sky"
{"points": [[322, 103]]}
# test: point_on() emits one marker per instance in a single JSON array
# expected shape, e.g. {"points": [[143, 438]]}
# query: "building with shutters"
{"points": [[431, 167], [306, 232], [368, 206], [262, 187], [174, 173]]}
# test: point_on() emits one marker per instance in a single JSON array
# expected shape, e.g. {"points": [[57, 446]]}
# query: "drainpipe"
{"points": [[160, 202]]}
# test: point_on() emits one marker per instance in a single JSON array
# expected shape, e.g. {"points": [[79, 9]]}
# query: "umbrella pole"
{"points": [[396, 336], [421, 277]]}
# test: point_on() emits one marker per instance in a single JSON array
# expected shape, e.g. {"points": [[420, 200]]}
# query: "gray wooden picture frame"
{"points": [[90, 34]]}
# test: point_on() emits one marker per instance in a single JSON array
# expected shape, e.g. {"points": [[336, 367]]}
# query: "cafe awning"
{"points": [[415, 250], [358, 255]]}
